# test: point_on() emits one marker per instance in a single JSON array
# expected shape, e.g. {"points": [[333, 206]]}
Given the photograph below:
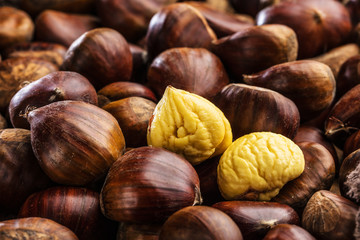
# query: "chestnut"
{"points": [[308, 83], [349, 75], [102, 55], [53, 87], [178, 25], [16, 26], [251, 7], [51, 52], [288, 232], [352, 143], [349, 177], [119, 90], [20, 173], [147, 185], [195, 70], [255, 109], [130, 18], [75, 142], [319, 26], [199, 222], [256, 48], [139, 58], [330, 216], [255, 219], [35, 228], [3, 122], [75, 208], [133, 231], [61, 27], [319, 174], [133, 115], [18, 72]]}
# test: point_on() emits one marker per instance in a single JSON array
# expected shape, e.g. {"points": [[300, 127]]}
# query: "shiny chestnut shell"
{"points": [[288, 231], [147, 185], [56, 86], [75, 208], [255, 219], [102, 55], [200, 222], [195, 70], [75, 142]]}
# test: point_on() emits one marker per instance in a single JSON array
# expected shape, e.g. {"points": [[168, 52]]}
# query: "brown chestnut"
{"points": [[35, 228], [195, 70], [352, 143], [63, 28], [256, 48], [254, 109], [75, 208], [3, 122], [255, 219], [16, 73], [140, 66], [133, 115], [20, 173], [319, 174], [251, 7], [349, 75], [308, 83], [178, 25], [319, 25], [147, 185], [16, 26], [349, 177], [102, 55], [200, 222], [330, 216], [75, 142], [133, 231], [288, 232], [55, 86]]}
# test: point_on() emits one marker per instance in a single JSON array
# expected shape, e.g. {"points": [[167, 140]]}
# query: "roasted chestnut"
{"points": [[200, 222], [55, 86], [330, 216], [255, 219], [75, 142], [34, 228], [195, 70], [147, 185], [255, 109], [349, 177], [63, 28], [102, 55], [309, 83], [288, 232], [75, 208]]}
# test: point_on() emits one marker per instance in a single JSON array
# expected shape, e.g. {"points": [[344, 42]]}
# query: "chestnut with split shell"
{"points": [[349, 177]]}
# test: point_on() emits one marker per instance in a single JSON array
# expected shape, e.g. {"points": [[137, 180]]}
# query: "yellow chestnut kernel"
{"points": [[190, 125], [257, 165]]}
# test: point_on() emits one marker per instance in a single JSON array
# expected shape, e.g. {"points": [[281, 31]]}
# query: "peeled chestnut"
{"points": [[255, 109], [330, 216], [61, 27], [319, 25], [349, 177], [288, 232], [256, 48], [102, 55], [133, 115], [343, 119], [55, 86], [35, 228], [17, 72], [195, 70], [130, 18], [349, 75], [75, 208], [319, 174], [255, 219], [75, 142], [20, 173], [119, 90], [147, 185], [16, 26], [308, 83], [200, 222], [178, 25]]}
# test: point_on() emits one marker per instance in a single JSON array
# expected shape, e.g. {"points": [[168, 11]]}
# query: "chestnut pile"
{"points": [[80, 86]]}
